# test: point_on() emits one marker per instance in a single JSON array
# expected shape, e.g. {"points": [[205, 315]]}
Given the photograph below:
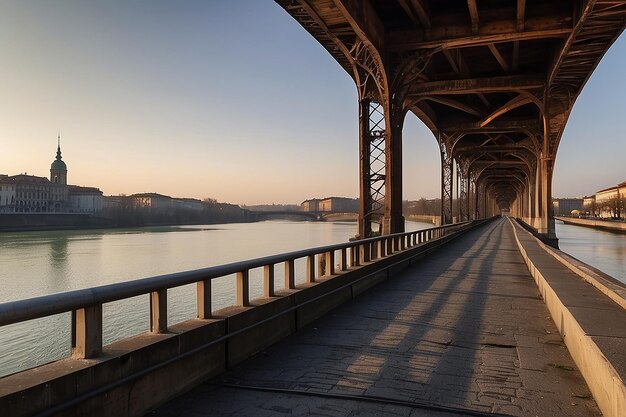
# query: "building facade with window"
{"points": [[25, 193]]}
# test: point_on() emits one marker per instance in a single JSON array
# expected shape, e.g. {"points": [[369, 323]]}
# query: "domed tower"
{"points": [[58, 169]]}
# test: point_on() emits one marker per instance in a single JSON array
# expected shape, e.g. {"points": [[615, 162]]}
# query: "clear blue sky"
{"points": [[223, 99]]}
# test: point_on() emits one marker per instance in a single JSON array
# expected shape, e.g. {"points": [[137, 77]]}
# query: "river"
{"points": [[600, 249], [40, 263]]}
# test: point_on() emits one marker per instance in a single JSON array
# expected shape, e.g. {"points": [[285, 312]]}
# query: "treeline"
{"points": [[422, 207]]}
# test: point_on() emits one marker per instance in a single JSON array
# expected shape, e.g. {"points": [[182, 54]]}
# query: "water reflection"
{"points": [[605, 251], [58, 251]]}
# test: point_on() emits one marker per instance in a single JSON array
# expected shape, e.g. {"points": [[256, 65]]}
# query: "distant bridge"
{"points": [[303, 215]]}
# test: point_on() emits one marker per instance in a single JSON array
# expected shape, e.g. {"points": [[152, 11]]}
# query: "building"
{"points": [[311, 205], [339, 205], [25, 193], [29, 194], [155, 203], [565, 206], [7, 195], [85, 199], [610, 201], [589, 205]]}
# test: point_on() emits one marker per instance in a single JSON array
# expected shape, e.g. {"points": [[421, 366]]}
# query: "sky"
{"points": [[229, 100]]}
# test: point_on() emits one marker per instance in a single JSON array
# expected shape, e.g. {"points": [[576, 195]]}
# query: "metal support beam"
{"points": [[446, 180], [372, 166]]}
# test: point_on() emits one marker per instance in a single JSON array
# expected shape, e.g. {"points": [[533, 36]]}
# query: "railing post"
{"points": [[389, 246], [343, 259], [290, 282], [268, 280], [365, 252], [158, 311], [87, 332], [381, 248], [203, 299], [243, 288], [321, 265], [310, 268], [330, 263], [354, 253]]}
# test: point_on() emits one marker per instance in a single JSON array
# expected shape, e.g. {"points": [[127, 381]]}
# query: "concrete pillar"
{"points": [[538, 196], [547, 218]]}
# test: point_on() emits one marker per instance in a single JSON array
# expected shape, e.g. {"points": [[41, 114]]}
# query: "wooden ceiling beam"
{"points": [[497, 126], [493, 149], [518, 101], [498, 56], [479, 40], [520, 14], [460, 36], [456, 105], [365, 21], [473, 11], [479, 85]]}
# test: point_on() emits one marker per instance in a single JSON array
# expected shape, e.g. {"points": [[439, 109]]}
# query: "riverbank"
{"points": [[27, 222], [424, 218], [32, 222], [607, 225]]}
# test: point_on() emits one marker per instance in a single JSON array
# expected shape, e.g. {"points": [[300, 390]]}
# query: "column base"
{"points": [[393, 225]]}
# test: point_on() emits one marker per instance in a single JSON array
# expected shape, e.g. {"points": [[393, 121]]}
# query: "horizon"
{"points": [[254, 114]]}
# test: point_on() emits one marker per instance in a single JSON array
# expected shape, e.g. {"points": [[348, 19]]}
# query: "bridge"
{"points": [[495, 82], [475, 318], [305, 215]]}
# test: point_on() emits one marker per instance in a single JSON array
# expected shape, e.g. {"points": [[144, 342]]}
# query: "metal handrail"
{"points": [[89, 301]]}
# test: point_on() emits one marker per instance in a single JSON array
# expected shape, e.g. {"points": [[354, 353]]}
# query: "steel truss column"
{"points": [[472, 196], [446, 180], [463, 170], [372, 164]]}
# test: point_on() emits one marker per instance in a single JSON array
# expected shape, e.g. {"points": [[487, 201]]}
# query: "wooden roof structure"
{"points": [[494, 80]]}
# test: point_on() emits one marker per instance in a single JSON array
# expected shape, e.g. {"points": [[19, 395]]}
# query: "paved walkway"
{"points": [[462, 333]]}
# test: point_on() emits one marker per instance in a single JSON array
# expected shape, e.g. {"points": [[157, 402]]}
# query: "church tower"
{"points": [[58, 169]]}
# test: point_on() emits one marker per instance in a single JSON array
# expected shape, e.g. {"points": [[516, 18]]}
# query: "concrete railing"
{"points": [[592, 324], [196, 349]]}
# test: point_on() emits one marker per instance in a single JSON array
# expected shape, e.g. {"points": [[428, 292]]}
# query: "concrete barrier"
{"points": [[611, 226], [592, 322]]}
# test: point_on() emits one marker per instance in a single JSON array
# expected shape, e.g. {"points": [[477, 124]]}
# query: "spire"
{"points": [[59, 146]]}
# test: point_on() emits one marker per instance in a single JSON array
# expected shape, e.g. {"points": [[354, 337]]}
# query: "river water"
{"points": [[40, 263], [603, 250]]}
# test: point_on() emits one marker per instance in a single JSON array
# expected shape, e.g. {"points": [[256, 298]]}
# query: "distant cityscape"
{"points": [[608, 203], [25, 193], [31, 194]]}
